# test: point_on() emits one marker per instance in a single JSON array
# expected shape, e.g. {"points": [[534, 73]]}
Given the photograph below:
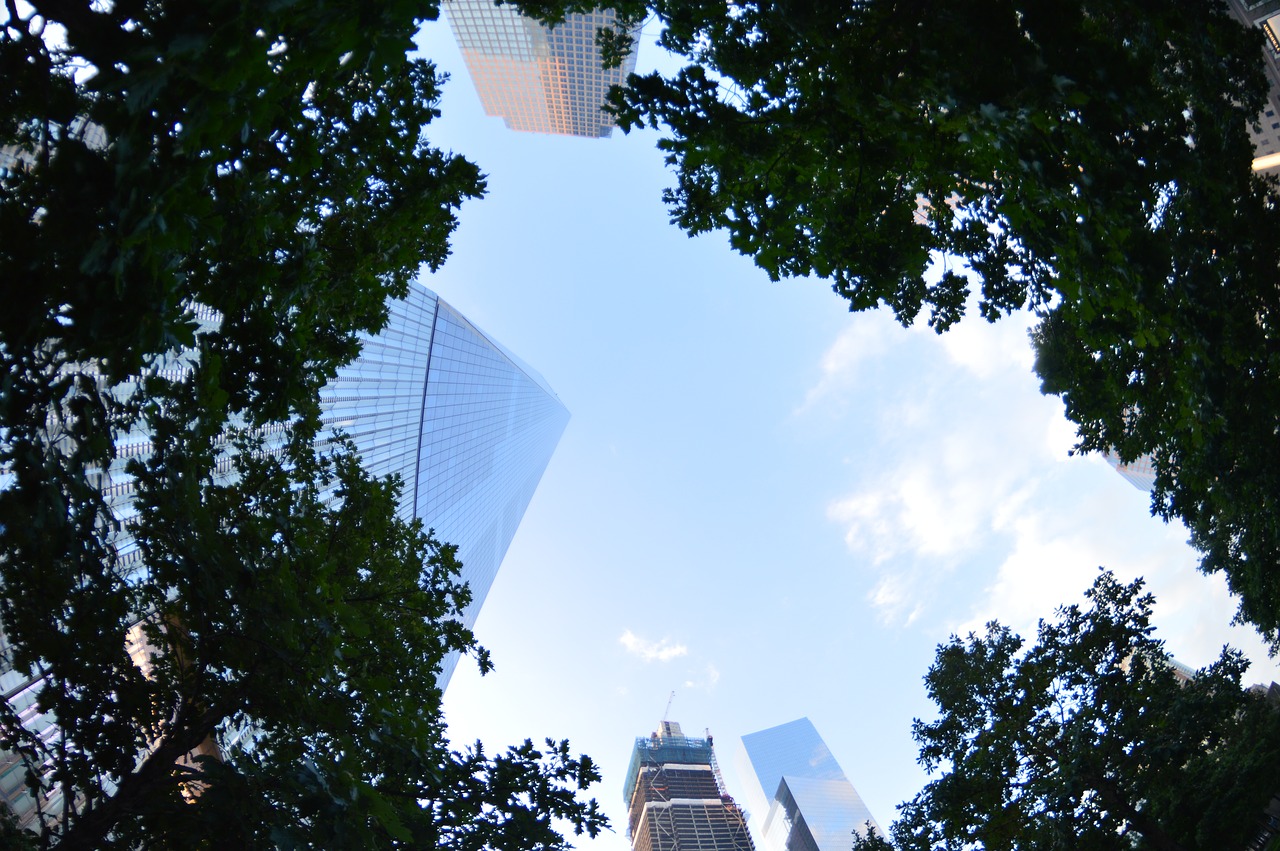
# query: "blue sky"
{"points": [[763, 503]]}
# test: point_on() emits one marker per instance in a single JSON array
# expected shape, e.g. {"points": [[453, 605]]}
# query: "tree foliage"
{"points": [[1083, 159], [293, 617], [203, 206], [1087, 739], [870, 840]]}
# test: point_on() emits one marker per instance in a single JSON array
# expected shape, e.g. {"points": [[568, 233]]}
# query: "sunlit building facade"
{"points": [[465, 424], [1141, 473], [799, 796], [1265, 14], [537, 79], [676, 799]]}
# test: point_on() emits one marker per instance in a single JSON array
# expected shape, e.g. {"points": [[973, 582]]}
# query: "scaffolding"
{"points": [[677, 800]]}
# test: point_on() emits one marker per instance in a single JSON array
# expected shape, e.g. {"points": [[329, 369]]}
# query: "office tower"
{"points": [[1141, 473], [537, 79], [1265, 14], [801, 799], [676, 800], [465, 424]]}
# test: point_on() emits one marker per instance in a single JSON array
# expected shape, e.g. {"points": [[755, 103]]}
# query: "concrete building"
{"points": [[800, 798], [1266, 139], [676, 799], [537, 79]]}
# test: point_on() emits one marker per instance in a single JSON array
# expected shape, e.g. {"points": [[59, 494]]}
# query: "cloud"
{"points": [[650, 651], [961, 503], [710, 676], [947, 499], [1055, 557], [985, 350], [964, 447], [895, 600], [868, 337]]}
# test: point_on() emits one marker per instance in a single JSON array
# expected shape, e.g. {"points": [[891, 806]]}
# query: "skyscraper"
{"points": [[1141, 473], [801, 797], [537, 79], [676, 800], [1265, 14], [467, 426]]}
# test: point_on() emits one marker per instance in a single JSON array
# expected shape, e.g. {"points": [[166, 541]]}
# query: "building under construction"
{"points": [[676, 798]]}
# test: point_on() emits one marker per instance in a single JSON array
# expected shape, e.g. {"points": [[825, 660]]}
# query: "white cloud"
{"points": [[894, 599], [867, 338], [708, 679], [964, 505], [979, 451], [650, 651], [986, 349], [1053, 560], [1041, 572], [947, 499]]}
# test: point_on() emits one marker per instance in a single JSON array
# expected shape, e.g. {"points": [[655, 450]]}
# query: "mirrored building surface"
{"points": [[537, 79], [1141, 473], [800, 798], [466, 425]]}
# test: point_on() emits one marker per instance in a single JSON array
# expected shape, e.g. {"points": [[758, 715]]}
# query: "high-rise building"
{"points": [[676, 800], [538, 79], [1141, 472], [467, 426], [800, 797], [1265, 14]]}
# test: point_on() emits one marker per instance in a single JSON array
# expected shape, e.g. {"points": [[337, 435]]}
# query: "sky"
{"points": [[763, 504]]}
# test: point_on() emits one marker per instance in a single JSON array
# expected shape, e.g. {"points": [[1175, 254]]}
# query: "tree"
{"points": [[296, 619], [869, 840], [1088, 739], [1083, 159], [202, 208]]}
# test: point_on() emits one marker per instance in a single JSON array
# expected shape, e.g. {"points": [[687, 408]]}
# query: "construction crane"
{"points": [[668, 710]]}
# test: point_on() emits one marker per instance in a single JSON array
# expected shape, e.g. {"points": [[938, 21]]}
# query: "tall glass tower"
{"points": [[537, 79], [676, 799], [1141, 473], [807, 802], [467, 426]]}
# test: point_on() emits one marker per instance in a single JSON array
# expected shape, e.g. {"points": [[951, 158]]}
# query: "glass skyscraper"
{"points": [[1141, 473], [676, 800], [537, 79], [799, 793], [467, 426]]}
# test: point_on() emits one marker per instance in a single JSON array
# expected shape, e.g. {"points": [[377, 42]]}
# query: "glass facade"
{"points": [[537, 79], [467, 426], [1141, 473], [801, 796]]}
